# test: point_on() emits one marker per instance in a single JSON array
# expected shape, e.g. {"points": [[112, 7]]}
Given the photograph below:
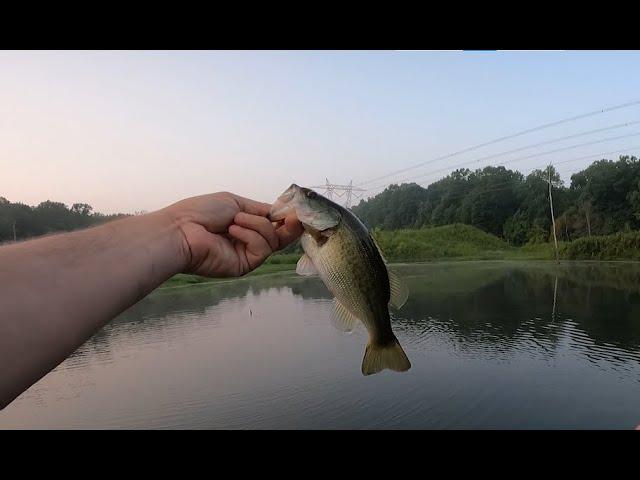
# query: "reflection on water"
{"points": [[493, 345]]}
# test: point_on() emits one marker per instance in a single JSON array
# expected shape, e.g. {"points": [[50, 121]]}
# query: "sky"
{"points": [[127, 131]]}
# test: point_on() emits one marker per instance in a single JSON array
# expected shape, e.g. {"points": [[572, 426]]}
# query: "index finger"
{"points": [[252, 206], [289, 231]]}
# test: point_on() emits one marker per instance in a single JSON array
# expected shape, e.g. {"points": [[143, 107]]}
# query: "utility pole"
{"points": [[586, 207], [553, 220], [340, 191], [14, 232]]}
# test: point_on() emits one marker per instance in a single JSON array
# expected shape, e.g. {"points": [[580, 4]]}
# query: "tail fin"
{"points": [[378, 357]]}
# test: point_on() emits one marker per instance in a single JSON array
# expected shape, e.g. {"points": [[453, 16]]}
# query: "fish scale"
{"points": [[349, 279]]}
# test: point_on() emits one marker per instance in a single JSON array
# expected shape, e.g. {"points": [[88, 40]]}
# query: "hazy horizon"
{"points": [[129, 131]]}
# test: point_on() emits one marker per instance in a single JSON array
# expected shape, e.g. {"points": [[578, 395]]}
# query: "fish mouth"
{"points": [[283, 205]]}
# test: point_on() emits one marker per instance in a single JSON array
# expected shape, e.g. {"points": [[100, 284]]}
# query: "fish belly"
{"points": [[344, 271]]}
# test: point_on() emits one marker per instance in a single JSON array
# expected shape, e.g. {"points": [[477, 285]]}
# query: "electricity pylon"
{"points": [[340, 191]]}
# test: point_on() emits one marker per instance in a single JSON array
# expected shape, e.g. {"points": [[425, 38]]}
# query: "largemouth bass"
{"points": [[339, 248]]}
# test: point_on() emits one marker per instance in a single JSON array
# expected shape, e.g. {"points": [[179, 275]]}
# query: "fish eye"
{"points": [[311, 194]]}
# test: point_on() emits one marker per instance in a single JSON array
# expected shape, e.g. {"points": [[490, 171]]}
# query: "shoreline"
{"points": [[186, 280]]}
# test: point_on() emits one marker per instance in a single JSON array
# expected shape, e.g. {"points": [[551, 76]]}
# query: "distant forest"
{"points": [[603, 198], [19, 221]]}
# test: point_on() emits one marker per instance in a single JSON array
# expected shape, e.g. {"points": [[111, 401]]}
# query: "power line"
{"points": [[526, 157], [546, 142], [510, 183], [477, 192], [596, 155], [507, 137], [502, 186], [477, 160]]}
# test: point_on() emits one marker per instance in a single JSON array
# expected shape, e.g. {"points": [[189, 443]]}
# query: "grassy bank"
{"points": [[184, 279], [454, 242], [619, 246], [462, 242]]}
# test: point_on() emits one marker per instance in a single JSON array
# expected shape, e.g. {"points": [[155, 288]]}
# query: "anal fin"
{"points": [[342, 318]]}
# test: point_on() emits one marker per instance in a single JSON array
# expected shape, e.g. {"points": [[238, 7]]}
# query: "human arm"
{"points": [[57, 291]]}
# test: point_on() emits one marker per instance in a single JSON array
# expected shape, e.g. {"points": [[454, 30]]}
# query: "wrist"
{"points": [[178, 246]]}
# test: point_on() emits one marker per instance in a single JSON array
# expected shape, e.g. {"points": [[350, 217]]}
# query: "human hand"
{"points": [[226, 235]]}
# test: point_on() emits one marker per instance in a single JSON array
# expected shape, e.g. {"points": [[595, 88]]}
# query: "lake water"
{"points": [[493, 345]]}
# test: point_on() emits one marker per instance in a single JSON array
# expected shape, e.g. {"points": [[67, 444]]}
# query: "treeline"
{"points": [[19, 221], [602, 199]]}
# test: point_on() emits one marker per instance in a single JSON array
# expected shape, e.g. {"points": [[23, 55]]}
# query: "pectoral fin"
{"points": [[342, 318], [320, 236], [305, 267]]}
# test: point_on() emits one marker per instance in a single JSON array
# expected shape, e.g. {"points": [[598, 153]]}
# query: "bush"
{"points": [[619, 246], [449, 241]]}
